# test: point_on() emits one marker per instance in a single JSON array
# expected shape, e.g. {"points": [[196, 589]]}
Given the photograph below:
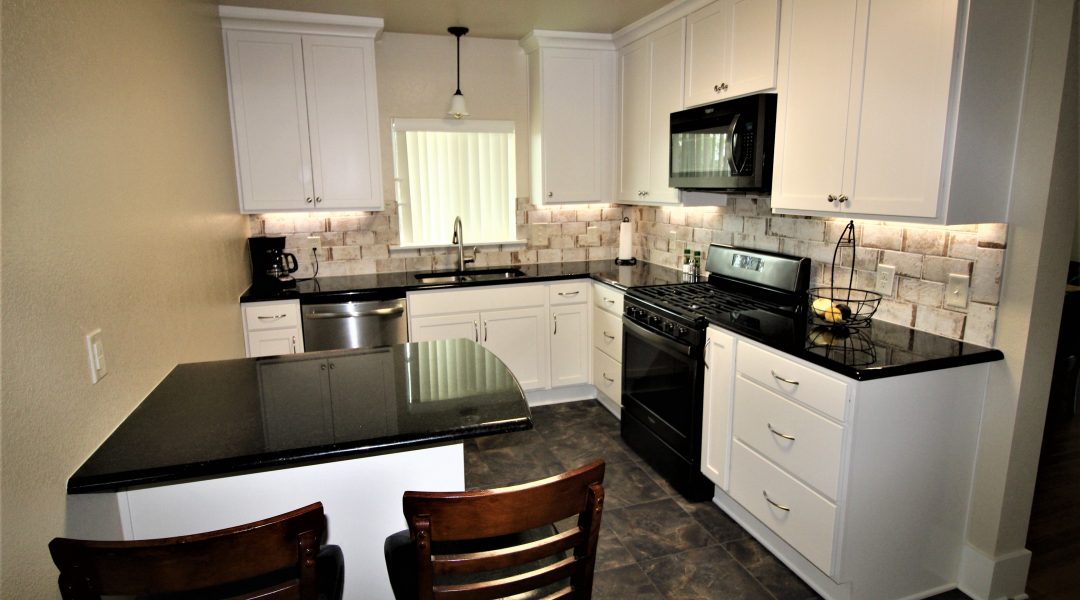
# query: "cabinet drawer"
{"points": [[568, 293], [607, 333], [765, 421], [271, 315], [608, 298], [813, 388], [809, 522], [607, 375]]}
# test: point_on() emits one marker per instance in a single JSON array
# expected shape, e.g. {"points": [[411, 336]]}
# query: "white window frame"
{"points": [[402, 196]]}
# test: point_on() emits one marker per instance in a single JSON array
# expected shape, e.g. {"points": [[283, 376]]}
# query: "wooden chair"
{"points": [[272, 558], [500, 542]]}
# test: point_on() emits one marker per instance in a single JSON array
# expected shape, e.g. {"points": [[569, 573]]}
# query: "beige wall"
{"points": [[119, 212]]}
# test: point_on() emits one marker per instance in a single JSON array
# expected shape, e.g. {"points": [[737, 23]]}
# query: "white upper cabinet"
{"points": [[572, 116], [899, 109], [650, 74], [304, 110], [731, 50]]}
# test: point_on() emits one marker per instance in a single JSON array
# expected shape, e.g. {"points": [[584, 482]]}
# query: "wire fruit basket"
{"points": [[838, 306]]}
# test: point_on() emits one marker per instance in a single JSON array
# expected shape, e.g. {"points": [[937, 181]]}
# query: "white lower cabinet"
{"points": [[860, 487], [569, 344], [716, 436], [502, 332], [607, 341], [272, 328]]}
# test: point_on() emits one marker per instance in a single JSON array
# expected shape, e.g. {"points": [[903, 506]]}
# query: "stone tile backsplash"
{"points": [[924, 255]]}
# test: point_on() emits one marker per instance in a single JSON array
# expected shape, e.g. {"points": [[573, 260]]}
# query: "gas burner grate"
{"points": [[701, 298]]}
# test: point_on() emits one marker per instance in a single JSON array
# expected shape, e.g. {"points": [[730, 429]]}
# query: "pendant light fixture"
{"points": [[457, 101]]}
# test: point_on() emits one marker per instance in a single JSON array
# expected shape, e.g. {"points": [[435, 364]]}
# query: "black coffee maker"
{"points": [[270, 264]]}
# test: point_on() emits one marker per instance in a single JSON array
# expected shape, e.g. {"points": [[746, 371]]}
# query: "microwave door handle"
{"points": [[731, 144]]}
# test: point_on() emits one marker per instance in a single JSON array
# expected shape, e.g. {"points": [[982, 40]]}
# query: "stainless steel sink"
{"points": [[470, 275]]}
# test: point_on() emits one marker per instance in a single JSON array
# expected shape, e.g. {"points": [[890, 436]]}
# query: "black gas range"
{"points": [[761, 295]]}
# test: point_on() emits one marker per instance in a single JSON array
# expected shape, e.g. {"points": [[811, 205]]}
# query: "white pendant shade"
{"points": [[457, 106]]}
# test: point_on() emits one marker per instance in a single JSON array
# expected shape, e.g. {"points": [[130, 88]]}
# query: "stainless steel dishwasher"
{"points": [[354, 324]]}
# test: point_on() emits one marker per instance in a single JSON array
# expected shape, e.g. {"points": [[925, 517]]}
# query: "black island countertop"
{"points": [[880, 350], [235, 416]]}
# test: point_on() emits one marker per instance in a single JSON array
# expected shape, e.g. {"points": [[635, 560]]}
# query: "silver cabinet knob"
{"points": [[831, 198], [318, 199], [550, 194], [720, 88], [842, 199], [308, 200]]}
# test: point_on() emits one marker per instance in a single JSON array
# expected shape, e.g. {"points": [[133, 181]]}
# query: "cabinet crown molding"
{"points": [[546, 38], [665, 15], [291, 21]]}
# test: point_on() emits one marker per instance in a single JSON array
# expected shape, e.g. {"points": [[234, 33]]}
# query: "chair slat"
{"points": [[508, 586], [506, 557]]}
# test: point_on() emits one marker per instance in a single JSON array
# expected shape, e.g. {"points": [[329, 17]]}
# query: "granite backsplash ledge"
{"points": [[924, 256]]}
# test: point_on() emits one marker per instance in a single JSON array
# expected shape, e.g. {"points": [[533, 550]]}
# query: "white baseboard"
{"points": [[612, 406], [569, 393], [986, 578]]}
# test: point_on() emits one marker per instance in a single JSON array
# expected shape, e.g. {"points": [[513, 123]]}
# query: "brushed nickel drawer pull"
{"points": [[609, 336], [609, 301], [609, 380], [779, 378], [783, 435], [770, 501], [570, 293], [272, 317]]}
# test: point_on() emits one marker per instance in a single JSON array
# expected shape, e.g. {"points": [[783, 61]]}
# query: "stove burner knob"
{"points": [[682, 332], [669, 327], [654, 321]]}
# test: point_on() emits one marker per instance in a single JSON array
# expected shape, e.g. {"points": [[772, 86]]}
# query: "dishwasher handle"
{"points": [[376, 312]]}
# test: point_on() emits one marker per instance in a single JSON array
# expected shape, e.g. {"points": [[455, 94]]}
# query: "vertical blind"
{"points": [[444, 170]]}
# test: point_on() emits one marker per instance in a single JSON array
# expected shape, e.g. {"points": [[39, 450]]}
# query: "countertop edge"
{"points": [[308, 456]]}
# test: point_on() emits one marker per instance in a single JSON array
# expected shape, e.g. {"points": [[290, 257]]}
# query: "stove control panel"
{"points": [[656, 320]]}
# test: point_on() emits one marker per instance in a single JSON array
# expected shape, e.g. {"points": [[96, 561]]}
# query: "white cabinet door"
{"points": [[445, 327], [863, 114], [650, 89], [519, 338], [667, 83], [273, 342], [269, 115], [343, 122], [574, 108], [731, 50], [569, 344], [817, 52], [635, 86], [903, 110], [716, 419]]}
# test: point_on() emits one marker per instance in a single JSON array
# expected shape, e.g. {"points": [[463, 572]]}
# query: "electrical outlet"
{"points": [[96, 349], [883, 284], [956, 292], [314, 242]]}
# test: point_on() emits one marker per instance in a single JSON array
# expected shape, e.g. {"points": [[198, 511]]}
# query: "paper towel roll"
{"points": [[626, 241]]}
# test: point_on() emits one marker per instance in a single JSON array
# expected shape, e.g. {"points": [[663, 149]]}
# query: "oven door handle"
{"points": [[657, 339]]}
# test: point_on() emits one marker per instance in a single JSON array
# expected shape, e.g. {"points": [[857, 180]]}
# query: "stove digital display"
{"points": [[749, 263]]}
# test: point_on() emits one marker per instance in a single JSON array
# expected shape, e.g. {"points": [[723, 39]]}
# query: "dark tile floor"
{"points": [[653, 543]]}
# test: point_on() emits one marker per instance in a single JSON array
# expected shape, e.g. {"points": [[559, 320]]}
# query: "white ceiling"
{"points": [[506, 19]]}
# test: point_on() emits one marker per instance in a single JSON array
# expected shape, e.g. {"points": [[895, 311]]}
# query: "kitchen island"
{"points": [[222, 443]]}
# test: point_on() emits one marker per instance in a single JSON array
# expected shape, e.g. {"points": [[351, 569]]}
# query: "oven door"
{"points": [[662, 387]]}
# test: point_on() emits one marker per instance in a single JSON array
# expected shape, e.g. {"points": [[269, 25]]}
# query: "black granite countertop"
{"points": [[884, 349], [384, 286], [880, 350], [234, 416]]}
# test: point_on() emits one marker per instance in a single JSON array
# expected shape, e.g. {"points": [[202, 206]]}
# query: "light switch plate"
{"points": [[956, 291], [95, 348], [886, 276]]}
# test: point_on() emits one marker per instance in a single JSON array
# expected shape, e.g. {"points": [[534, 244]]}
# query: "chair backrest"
{"points": [[272, 558], [436, 517]]}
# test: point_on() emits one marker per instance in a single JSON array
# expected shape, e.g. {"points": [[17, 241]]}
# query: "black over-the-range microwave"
{"points": [[724, 147]]}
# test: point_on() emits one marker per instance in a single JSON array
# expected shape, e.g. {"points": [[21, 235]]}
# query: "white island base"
{"points": [[361, 498]]}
